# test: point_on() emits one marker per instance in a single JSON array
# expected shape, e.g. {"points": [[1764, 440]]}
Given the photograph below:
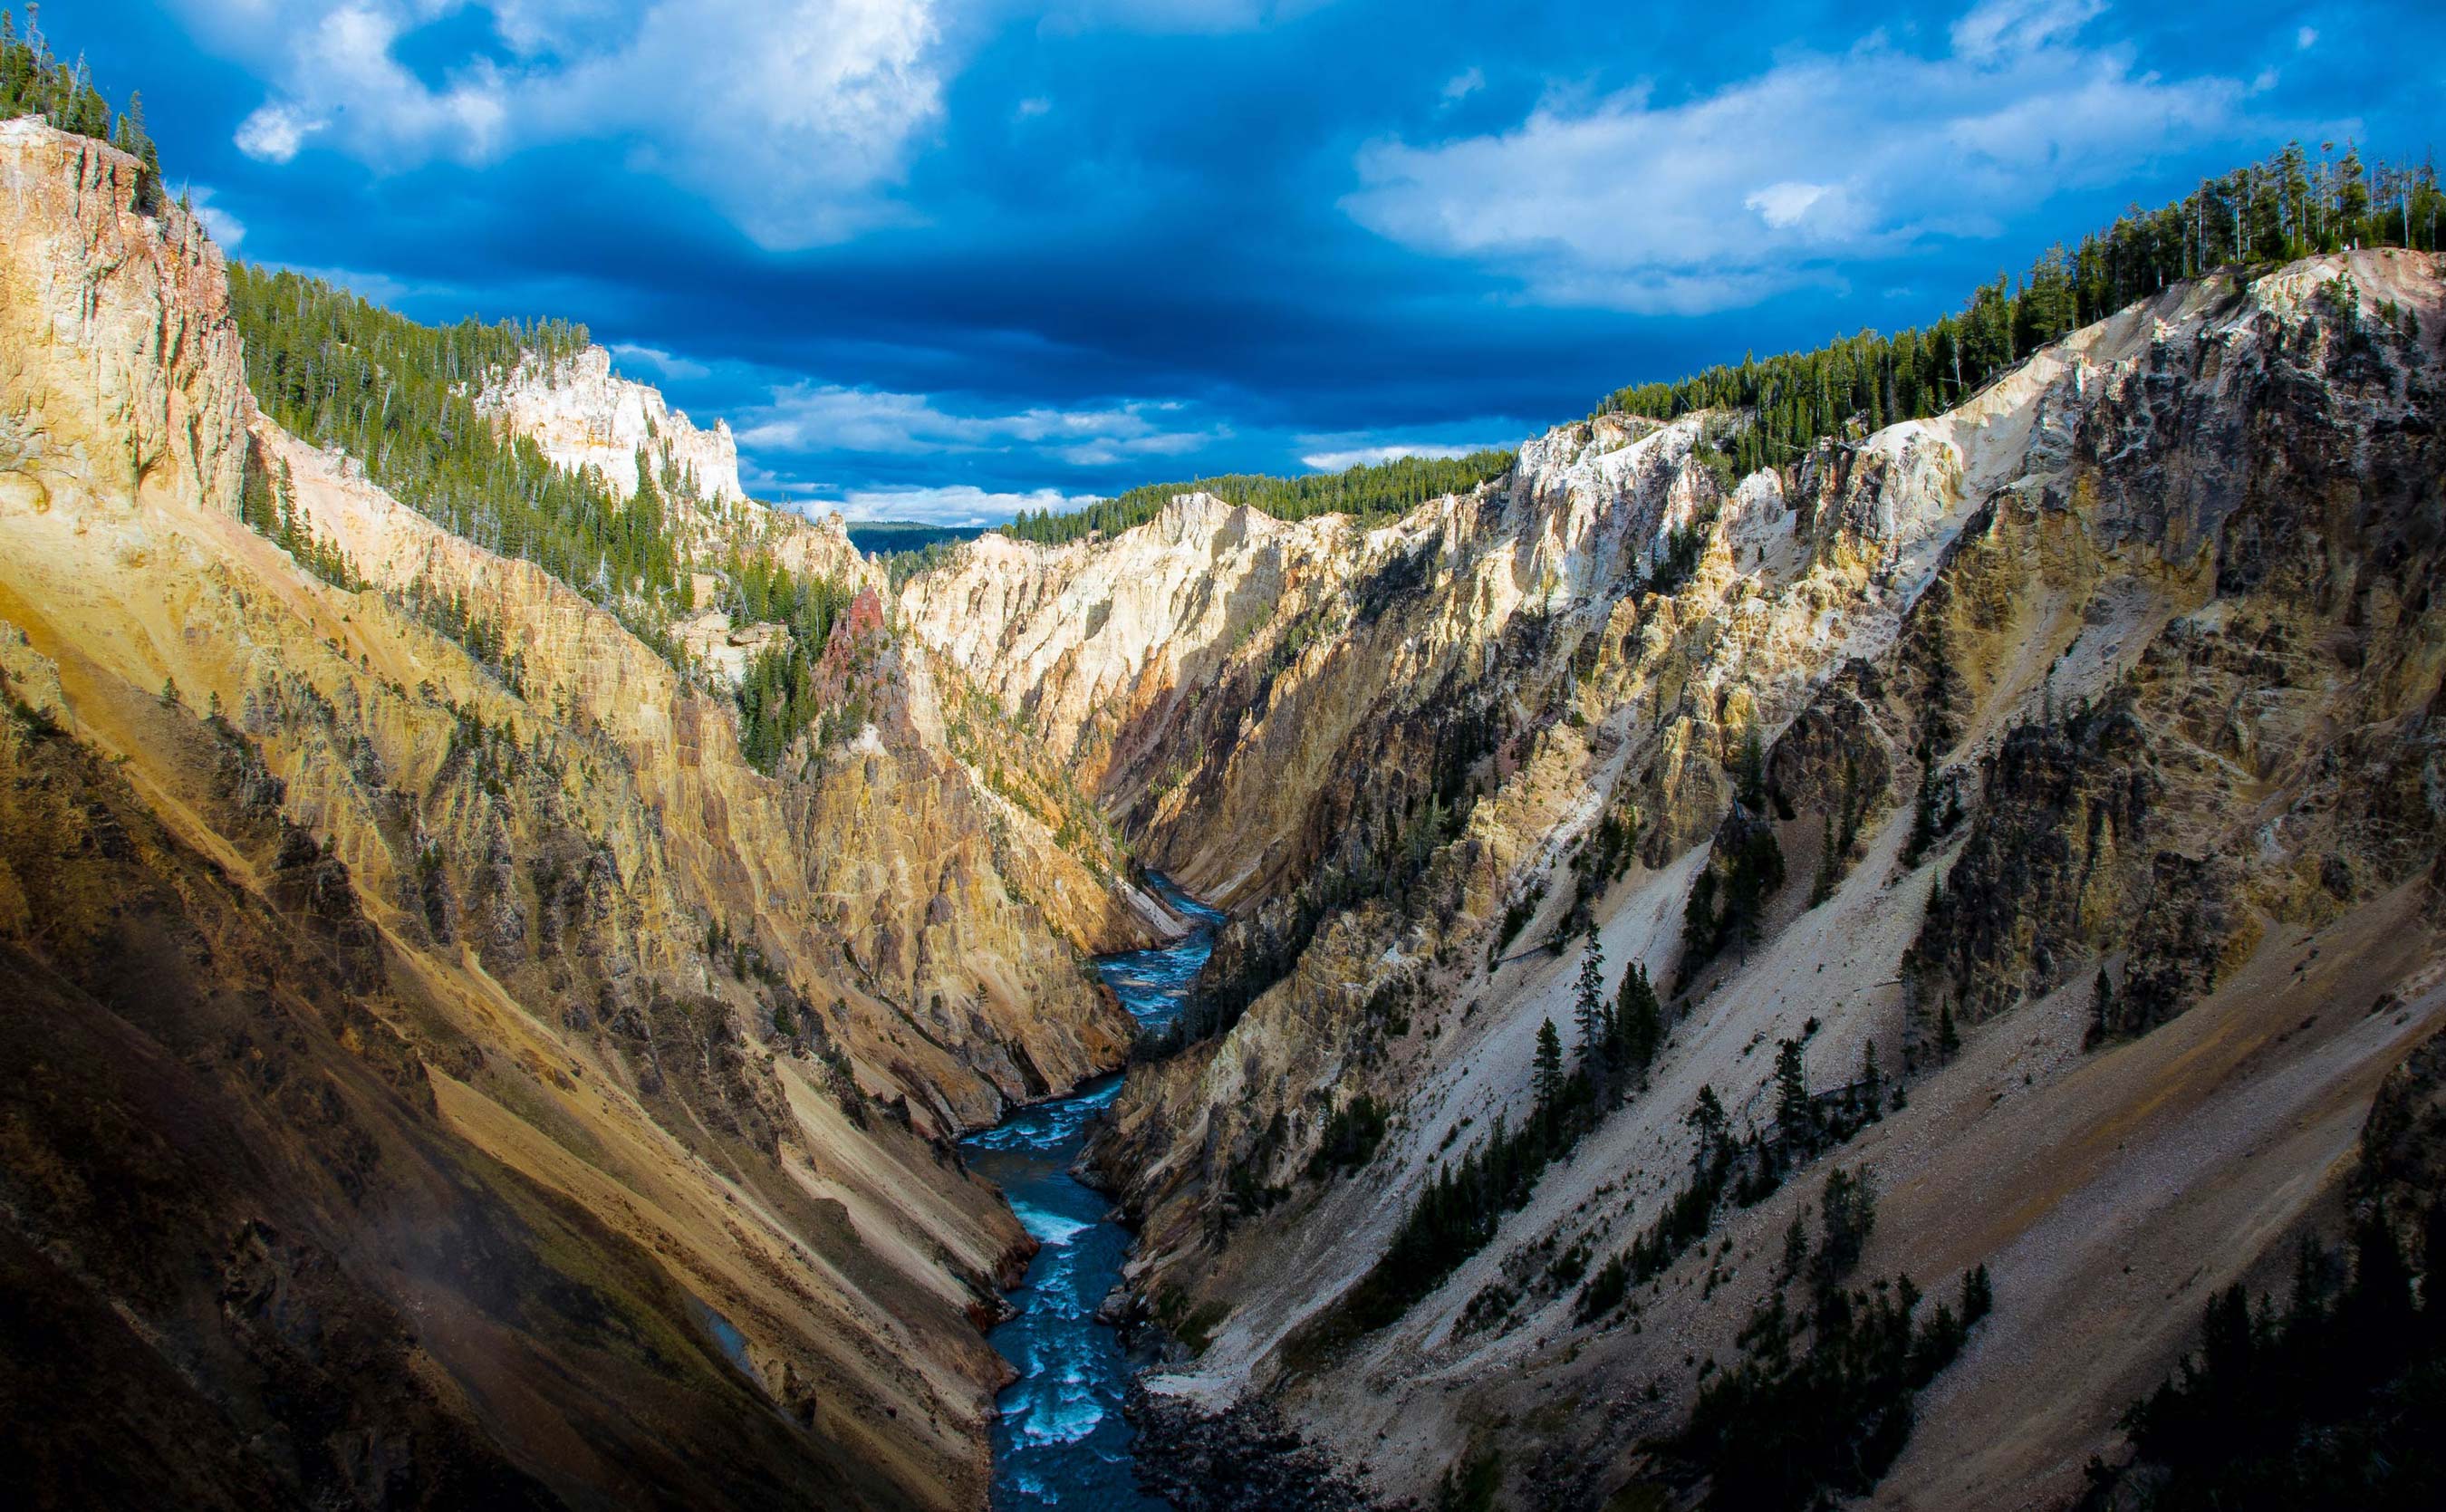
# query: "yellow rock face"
{"points": [[725, 1022]]}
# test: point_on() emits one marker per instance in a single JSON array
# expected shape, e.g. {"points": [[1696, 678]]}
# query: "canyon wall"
{"points": [[441, 1076], [2125, 671]]}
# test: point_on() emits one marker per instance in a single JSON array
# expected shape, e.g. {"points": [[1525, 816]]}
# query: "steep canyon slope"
{"points": [[583, 415], [442, 1067], [2075, 753]]}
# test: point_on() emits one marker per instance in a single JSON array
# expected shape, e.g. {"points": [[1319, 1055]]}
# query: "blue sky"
{"points": [[942, 261]]}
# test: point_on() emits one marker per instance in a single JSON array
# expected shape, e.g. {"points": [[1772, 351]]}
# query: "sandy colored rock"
{"points": [[677, 1043], [2151, 615]]}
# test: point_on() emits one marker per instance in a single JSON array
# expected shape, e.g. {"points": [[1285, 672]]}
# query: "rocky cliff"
{"points": [[584, 416], [537, 1102], [2073, 752]]}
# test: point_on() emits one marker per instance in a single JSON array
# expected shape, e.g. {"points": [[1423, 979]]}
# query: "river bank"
{"points": [[1063, 1437]]}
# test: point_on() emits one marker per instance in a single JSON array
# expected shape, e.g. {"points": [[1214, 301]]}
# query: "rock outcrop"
{"points": [[584, 416]]}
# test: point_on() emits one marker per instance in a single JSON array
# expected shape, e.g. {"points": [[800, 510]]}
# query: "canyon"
{"points": [[516, 1030], [433, 1080], [2152, 619]]}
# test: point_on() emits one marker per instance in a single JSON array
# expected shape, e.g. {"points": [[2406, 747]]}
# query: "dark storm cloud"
{"points": [[965, 259]]}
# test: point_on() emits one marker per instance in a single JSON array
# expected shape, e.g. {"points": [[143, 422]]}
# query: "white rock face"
{"points": [[724, 649], [582, 416], [1067, 632]]}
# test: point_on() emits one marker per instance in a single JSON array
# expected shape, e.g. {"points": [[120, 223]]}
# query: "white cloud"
{"points": [[1033, 105], [226, 230], [2305, 39], [342, 79], [1783, 204], [1995, 27], [954, 504], [1728, 198], [661, 361], [794, 116], [1464, 84], [1342, 459], [831, 417], [274, 133]]}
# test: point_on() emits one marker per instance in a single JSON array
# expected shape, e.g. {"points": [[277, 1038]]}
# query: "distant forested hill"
{"points": [[882, 537]]}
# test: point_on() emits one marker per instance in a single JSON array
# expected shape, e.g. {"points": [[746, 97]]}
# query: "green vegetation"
{"points": [[900, 566], [1465, 1201], [778, 694], [400, 397], [267, 501], [1250, 1193], [1471, 1485], [1727, 902], [1791, 1427], [1602, 861], [1460, 1210], [1930, 821], [1618, 1038], [2266, 212], [890, 538], [1517, 916], [336, 371], [1009, 752], [1352, 1133], [34, 81], [1749, 1170], [2338, 1399], [1193, 1324], [1371, 493]]}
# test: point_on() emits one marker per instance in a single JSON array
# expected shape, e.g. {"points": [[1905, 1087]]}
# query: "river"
{"points": [[1061, 1440]]}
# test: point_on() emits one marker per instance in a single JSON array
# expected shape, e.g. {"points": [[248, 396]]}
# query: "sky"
{"points": [[944, 262]]}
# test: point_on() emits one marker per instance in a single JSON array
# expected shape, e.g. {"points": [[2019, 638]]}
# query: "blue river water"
{"points": [[1061, 1440]]}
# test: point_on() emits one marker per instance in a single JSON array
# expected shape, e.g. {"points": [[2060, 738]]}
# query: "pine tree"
{"points": [[1371, 492], [1706, 1116], [1849, 1215], [1547, 1079], [138, 143], [2102, 1010], [1790, 403], [1589, 1008], [1752, 772], [1923, 808], [1795, 1246], [1977, 1295], [1699, 921], [1948, 1040], [1640, 1019], [1795, 1118]]}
